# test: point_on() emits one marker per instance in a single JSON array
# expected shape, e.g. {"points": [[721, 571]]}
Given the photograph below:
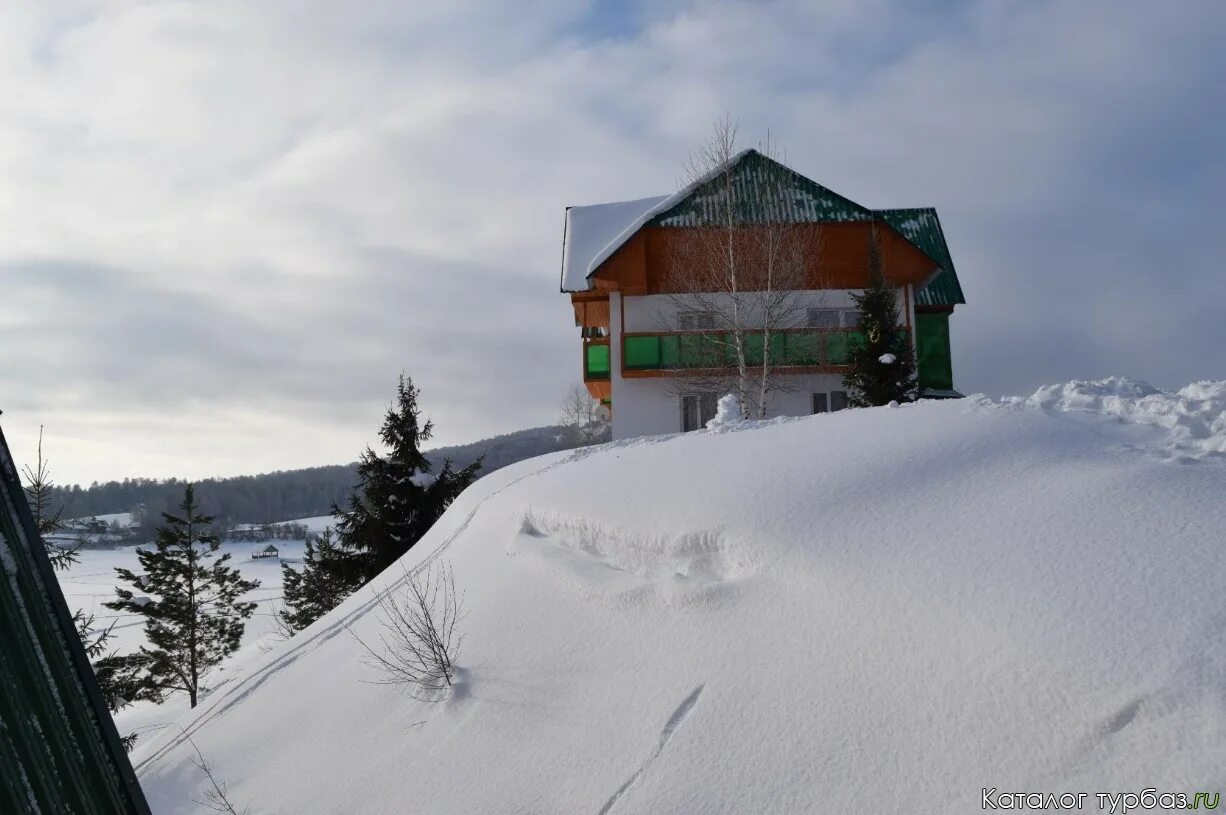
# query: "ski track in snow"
{"points": [[245, 686], [670, 727]]}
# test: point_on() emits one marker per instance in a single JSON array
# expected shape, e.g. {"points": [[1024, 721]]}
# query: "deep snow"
{"points": [[881, 610]]}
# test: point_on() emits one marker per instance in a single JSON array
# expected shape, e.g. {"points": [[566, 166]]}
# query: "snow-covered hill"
{"points": [[881, 610]]}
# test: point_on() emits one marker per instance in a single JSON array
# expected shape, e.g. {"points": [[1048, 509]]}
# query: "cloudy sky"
{"points": [[225, 227]]}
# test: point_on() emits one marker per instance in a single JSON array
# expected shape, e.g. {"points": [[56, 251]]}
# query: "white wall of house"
{"points": [[658, 312], [645, 406]]}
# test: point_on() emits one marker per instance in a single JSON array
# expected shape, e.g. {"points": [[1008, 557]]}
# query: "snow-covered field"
{"points": [[882, 610]]}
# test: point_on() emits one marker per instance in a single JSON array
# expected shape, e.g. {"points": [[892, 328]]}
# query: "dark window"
{"points": [[838, 400], [823, 318], [696, 410], [834, 318], [696, 320], [820, 405]]}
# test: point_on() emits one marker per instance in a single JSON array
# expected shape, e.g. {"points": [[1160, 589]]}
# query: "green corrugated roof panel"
{"points": [[922, 227], [809, 201], [59, 752]]}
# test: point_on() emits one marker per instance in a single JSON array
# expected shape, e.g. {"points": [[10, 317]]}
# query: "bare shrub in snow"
{"points": [[418, 641], [215, 798]]}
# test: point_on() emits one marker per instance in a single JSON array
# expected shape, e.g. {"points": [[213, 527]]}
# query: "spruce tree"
{"points": [[195, 615], [39, 490], [397, 499], [882, 364], [311, 592]]}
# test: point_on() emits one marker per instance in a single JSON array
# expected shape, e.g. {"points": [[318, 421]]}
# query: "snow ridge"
{"points": [[1194, 417]]}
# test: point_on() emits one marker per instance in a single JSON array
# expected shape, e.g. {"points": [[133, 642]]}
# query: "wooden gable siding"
{"points": [[641, 265]]}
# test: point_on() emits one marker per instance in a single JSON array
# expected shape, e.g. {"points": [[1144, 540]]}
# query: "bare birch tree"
{"points": [[582, 418], [737, 271]]}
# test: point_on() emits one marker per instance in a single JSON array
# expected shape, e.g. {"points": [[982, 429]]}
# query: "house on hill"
{"points": [[648, 331]]}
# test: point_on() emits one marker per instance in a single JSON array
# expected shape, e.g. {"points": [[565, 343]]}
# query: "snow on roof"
{"points": [[595, 232], [590, 229]]}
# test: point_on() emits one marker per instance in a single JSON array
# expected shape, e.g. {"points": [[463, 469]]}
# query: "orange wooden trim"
{"points": [[600, 388]]}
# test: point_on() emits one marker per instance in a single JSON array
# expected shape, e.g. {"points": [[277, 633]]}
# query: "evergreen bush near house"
{"points": [[882, 363], [191, 602], [397, 499]]}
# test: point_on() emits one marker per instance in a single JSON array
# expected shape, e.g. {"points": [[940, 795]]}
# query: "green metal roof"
{"points": [[922, 227], [59, 751], [808, 201]]}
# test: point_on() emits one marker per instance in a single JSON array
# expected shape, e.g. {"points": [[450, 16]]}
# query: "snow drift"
{"points": [[882, 610]]}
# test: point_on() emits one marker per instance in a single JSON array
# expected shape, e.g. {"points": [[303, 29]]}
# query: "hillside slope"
{"points": [[879, 610]]}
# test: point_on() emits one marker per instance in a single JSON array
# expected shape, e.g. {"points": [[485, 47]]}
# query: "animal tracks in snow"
{"points": [[670, 727]]}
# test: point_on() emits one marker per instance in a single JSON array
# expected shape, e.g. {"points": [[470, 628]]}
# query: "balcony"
{"points": [[804, 350], [595, 359], [596, 368]]}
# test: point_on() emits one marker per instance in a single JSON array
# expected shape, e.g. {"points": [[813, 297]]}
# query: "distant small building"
{"points": [[267, 551]]}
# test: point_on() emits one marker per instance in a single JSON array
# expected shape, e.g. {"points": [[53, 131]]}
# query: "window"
{"points": [[827, 402], [696, 320], [696, 410], [834, 318], [823, 318]]}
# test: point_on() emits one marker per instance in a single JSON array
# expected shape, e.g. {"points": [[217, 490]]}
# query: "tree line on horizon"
{"points": [[283, 495]]}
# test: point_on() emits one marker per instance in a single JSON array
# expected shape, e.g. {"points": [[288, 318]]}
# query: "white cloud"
{"points": [[235, 221]]}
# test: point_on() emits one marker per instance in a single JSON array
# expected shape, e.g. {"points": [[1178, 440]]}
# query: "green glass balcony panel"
{"points": [[801, 349], [839, 346], [701, 351], [596, 362], [778, 349], [670, 351], [932, 351], [649, 352], [753, 349], [642, 353]]}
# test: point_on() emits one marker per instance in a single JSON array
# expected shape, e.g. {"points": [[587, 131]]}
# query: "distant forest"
{"points": [[284, 495]]}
